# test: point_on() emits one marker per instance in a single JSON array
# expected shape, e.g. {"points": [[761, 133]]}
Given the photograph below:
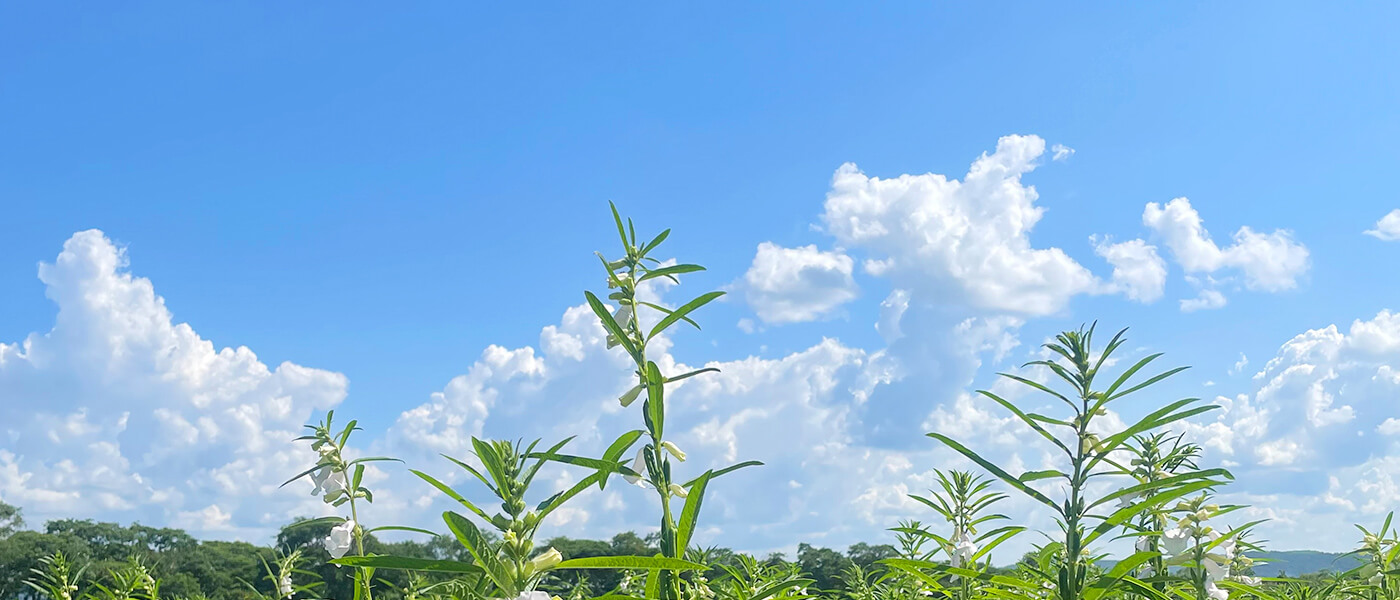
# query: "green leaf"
{"points": [[656, 403], [560, 498], [485, 555], [313, 522], [995, 470], [621, 230], [655, 563], [1027, 420], [401, 528], [726, 470], [681, 312], [691, 511], [691, 374], [670, 272], [473, 471], [451, 493], [610, 324], [408, 564], [1030, 476], [492, 461], [656, 241]]}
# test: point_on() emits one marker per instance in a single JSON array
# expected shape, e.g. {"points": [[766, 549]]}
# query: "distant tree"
{"points": [[824, 565], [11, 519]]}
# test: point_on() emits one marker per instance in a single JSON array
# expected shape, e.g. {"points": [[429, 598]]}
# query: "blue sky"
{"points": [[383, 196]]}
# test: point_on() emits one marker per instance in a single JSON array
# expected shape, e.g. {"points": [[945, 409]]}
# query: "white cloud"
{"points": [[1269, 262], [1207, 299], [1310, 418], [792, 285], [1388, 227], [1240, 364], [118, 412], [1138, 272], [964, 241], [1061, 152]]}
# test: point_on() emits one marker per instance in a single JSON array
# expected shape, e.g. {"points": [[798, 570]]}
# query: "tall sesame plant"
{"points": [[1087, 450]]}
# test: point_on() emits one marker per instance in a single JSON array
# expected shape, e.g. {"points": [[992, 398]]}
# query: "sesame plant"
{"points": [[56, 577], [1086, 450], [509, 566], [626, 326], [1155, 457], [963, 503], [340, 482], [1379, 574]]}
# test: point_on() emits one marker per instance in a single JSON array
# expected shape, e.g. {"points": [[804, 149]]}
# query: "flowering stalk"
{"points": [[1156, 457], [339, 482], [652, 465]]}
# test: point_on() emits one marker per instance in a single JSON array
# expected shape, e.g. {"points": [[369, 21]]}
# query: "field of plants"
{"points": [[1137, 484]]}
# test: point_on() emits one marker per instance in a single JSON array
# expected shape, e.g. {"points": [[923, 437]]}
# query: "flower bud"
{"points": [[546, 560], [630, 396], [678, 490], [676, 452]]}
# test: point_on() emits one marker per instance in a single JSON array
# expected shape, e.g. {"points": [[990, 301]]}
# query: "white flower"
{"points": [[639, 467], [1245, 579], [338, 542], [1227, 548], [326, 481], [676, 452], [630, 396], [679, 491], [623, 315], [535, 595], [1146, 571], [963, 549], [1174, 540], [1215, 571], [1127, 499], [1215, 592], [284, 585], [1143, 544]]}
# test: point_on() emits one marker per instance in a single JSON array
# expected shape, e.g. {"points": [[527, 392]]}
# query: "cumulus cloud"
{"points": [[1269, 262], [1388, 227], [120, 412], [966, 241], [792, 285], [1138, 272], [1313, 415]]}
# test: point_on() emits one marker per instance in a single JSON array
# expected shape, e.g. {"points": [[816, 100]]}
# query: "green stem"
{"points": [[359, 548]]}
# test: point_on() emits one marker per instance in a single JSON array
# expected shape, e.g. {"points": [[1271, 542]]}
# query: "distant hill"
{"points": [[1299, 562], [1293, 562]]}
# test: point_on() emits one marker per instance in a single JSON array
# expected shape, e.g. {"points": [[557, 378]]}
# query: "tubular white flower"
{"points": [[284, 585], [676, 452], [630, 396], [1215, 571], [963, 549], [639, 467], [1174, 540], [326, 481], [535, 595], [338, 542], [678, 490], [1143, 544], [1215, 592]]}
